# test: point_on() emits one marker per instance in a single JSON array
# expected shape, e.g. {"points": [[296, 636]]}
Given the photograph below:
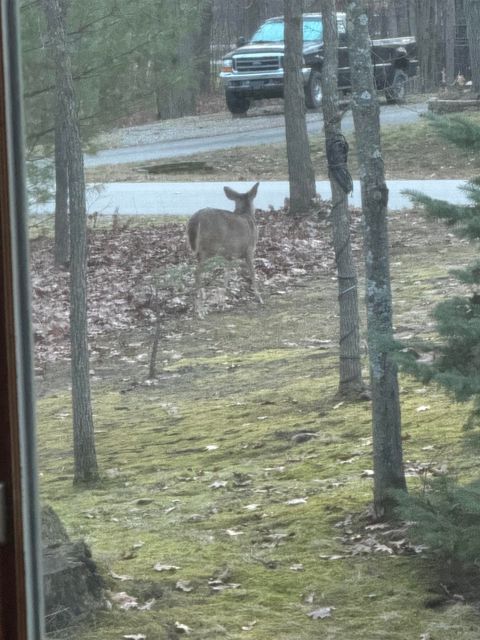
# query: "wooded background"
{"points": [[159, 58]]}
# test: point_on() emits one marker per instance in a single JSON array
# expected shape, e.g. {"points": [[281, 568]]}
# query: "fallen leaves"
{"points": [[126, 602], [378, 537], [322, 613], [169, 568], [182, 628], [133, 271]]}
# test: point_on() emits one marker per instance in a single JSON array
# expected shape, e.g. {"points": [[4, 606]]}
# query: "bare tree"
{"points": [[300, 167], [85, 460], [386, 419], [350, 366]]}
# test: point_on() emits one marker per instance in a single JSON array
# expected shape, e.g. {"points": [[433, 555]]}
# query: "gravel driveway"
{"points": [[200, 126], [262, 125]]}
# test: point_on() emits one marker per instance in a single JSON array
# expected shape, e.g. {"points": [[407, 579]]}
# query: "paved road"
{"points": [[237, 133], [184, 198]]}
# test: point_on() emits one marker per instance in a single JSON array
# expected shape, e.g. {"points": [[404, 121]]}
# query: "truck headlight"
{"points": [[227, 65]]}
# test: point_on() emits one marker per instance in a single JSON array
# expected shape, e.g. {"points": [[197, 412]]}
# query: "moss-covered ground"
{"points": [[236, 470]]}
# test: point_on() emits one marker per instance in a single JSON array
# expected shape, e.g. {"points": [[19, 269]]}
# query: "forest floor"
{"points": [[235, 492]]}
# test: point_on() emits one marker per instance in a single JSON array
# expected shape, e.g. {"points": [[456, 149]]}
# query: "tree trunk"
{"points": [[428, 43], [350, 366], [450, 41], [204, 40], [412, 17], [85, 461], [62, 220], [472, 15], [392, 21], [300, 167], [387, 443], [255, 13], [403, 18]]}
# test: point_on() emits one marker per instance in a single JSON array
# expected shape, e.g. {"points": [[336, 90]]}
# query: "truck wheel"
{"points": [[313, 91], [397, 92], [236, 103]]}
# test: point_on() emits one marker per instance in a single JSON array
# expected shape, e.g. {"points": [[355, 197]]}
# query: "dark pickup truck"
{"points": [[254, 71]]}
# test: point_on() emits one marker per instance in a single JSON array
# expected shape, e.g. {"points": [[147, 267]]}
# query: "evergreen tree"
{"points": [[456, 365]]}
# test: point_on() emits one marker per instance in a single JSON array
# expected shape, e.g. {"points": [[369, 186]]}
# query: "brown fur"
{"points": [[217, 232]]}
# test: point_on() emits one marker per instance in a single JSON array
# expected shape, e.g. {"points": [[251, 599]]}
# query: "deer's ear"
{"points": [[230, 193], [253, 191]]}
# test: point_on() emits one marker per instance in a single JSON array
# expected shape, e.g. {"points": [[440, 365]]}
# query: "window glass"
{"points": [[274, 31]]}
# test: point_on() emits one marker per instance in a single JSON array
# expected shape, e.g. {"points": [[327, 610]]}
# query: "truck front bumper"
{"points": [[258, 84]]}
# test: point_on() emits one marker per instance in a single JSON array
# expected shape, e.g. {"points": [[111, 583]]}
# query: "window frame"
{"points": [[21, 602]]}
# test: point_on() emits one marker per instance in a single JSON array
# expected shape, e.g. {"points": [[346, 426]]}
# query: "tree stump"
{"points": [[73, 587]]}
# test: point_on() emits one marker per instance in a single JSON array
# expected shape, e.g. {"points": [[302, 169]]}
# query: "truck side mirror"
{"points": [[241, 41]]}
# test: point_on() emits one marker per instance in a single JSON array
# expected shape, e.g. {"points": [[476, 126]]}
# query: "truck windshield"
{"points": [[273, 31]]}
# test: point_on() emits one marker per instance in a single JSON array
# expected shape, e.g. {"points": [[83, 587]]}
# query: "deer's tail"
{"points": [[193, 227]]}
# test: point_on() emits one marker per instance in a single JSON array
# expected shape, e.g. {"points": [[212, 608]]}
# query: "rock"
{"points": [[449, 105], [73, 587]]}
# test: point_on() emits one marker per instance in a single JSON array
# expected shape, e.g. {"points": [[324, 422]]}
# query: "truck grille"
{"points": [[255, 64]]}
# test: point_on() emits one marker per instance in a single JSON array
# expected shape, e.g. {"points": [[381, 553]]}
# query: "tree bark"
{"points": [[85, 460], [392, 20], [255, 13], [350, 366], [450, 41], [428, 43], [62, 219], [386, 420], [204, 40], [300, 167], [472, 15]]}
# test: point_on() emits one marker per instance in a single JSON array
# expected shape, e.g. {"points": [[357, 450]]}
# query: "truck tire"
{"points": [[236, 103], [396, 93], [313, 90]]}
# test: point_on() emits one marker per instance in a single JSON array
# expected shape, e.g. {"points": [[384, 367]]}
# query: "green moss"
{"points": [[198, 472]]}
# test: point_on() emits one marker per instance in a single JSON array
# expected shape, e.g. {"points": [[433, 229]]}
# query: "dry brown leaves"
{"points": [[138, 273]]}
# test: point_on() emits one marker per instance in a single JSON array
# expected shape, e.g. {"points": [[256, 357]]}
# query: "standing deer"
{"points": [[217, 232]]}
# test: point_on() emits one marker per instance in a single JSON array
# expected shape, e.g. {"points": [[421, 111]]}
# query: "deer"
{"points": [[218, 232]]}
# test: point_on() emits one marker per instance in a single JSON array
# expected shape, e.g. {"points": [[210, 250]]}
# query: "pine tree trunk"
{"points": [[472, 15], [387, 443], [350, 366], [300, 167], [85, 461]]}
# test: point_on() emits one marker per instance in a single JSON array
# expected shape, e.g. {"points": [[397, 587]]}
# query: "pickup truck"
{"points": [[254, 70]]}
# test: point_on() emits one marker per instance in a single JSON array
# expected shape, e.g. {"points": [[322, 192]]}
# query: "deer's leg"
{"points": [[251, 272]]}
